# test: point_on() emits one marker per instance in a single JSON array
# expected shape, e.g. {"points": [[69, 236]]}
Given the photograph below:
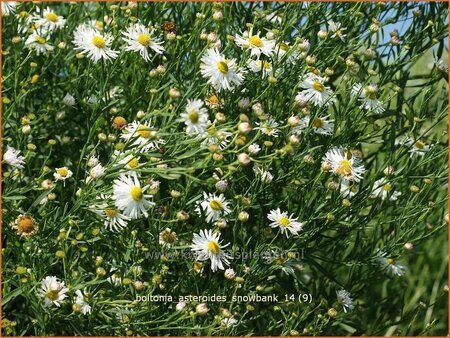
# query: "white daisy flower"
{"points": [[207, 245], [93, 43], [38, 42], [69, 100], [62, 174], [320, 125], [390, 265], [195, 117], [113, 220], [337, 29], [8, 7], [265, 175], [438, 63], [418, 147], [257, 45], [13, 158], [228, 322], [260, 66], [221, 73], [96, 172], [283, 49], [367, 96], [53, 291], [274, 18], [344, 164], [129, 196], [348, 189], [268, 127], [142, 135], [345, 300], [167, 237], [140, 39], [254, 148], [81, 300], [116, 278], [287, 224], [50, 21], [214, 206], [221, 138], [128, 161], [383, 189], [315, 91]]}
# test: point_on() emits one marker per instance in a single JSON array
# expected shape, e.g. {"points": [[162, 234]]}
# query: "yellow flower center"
{"points": [[110, 212], [214, 247], [52, 17], [222, 67], [318, 86], [26, 224], [144, 131], [215, 204], [213, 99], [136, 193], [344, 168], [255, 41], [40, 40], [264, 64], [284, 221], [119, 122], [63, 172], [212, 130], [98, 41], [390, 261], [52, 295], [419, 145], [133, 163], [387, 187], [168, 237], [371, 92], [318, 123], [283, 46], [193, 116], [144, 40]]}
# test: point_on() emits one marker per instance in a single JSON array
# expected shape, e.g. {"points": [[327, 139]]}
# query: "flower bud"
{"points": [[244, 159]]}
